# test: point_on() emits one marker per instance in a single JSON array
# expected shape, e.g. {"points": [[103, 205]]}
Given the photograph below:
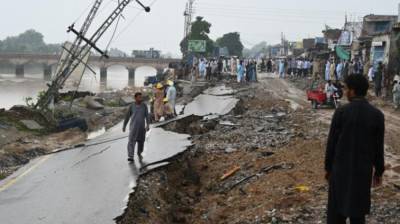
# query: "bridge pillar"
{"points": [[160, 71], [103, 74], [131, 79], [47, 72], [20, 71], [160, 74]]}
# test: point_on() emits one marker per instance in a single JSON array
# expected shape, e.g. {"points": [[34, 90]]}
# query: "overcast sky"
{"points": [[256, 20]]}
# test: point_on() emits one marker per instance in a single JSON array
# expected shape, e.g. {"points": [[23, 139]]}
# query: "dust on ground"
{"points": [[273, 144]]}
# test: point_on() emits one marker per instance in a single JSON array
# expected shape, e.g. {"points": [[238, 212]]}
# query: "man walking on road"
{"points": [[138, 114], [355, 155]]}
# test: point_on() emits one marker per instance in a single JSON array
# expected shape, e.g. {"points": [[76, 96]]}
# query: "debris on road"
{"points": [[230, 173], [266, 130], [31, 125]]}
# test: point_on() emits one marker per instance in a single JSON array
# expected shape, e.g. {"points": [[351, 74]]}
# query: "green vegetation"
{"points": [[29, 102], [232, 42], [14, 122], [30, 41], [200, 31], [3, 175], [112, 103]]}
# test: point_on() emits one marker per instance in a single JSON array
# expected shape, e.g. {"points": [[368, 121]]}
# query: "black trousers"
{"points": [[334, 217], [339, 219]]}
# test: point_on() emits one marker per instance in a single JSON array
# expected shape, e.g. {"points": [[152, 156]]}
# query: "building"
{"points": [[309, 44], [332, 37], [151, 53], [375, 40]]}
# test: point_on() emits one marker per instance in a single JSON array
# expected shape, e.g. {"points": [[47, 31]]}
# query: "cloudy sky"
{"points": [[256, 20]]}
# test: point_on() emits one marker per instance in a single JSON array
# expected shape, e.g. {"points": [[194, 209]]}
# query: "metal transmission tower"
{"points": [[78, 51], [188, 17]]}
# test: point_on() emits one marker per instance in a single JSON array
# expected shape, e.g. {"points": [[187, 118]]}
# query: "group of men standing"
{"points": [[377, 75], [300, 67], [340, 69], [208, 69], [246, 71]]}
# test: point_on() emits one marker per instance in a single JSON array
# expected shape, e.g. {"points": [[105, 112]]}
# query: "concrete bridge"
{"points": [[49, 62]]}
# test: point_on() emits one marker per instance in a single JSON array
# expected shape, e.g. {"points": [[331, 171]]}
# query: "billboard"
{"points": [[197, 46], [345, 38]]}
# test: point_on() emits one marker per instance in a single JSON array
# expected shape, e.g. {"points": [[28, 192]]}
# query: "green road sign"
{"points": [[197, 46]]}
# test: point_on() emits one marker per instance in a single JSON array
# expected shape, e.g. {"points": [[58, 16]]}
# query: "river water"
{"points": [[13, 90]]}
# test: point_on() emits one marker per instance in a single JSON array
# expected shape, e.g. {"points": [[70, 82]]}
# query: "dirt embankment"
{"points": [[271, 153]]}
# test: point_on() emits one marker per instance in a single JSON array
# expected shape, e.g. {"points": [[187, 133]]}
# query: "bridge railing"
{"points": [[96, 58]]}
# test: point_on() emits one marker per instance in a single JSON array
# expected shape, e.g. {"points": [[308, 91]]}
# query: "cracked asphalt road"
{"points": [[86, 185]]}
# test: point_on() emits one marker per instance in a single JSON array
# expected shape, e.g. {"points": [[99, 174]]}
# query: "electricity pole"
{"points": [[188, 17], [80, 49]]}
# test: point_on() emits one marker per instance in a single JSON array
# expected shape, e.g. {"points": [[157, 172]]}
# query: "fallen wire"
{"points": [[88, 145], [262, 171], [124, 29], [93, 155]]}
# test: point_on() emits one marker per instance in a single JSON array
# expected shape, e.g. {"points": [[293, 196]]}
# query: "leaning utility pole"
{"points": [[80, 50]]}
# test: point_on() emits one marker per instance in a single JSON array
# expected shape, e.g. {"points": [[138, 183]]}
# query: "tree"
{"points": [[28, 42], [200, 30], [232, 42]]}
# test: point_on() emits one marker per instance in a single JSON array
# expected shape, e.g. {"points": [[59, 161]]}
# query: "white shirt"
{"points": [[330, 90], [371, 74]]}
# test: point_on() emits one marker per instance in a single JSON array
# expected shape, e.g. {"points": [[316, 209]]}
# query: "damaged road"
{"points": [[260, 163], [89, 184], [86, 185]]}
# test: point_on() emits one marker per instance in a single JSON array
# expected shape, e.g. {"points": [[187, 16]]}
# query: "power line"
{"points": [[262, 19], [281, 14], [247, 7], [131, 22]]}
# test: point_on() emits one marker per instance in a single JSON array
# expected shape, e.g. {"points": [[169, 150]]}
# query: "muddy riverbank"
{"points": [[260, 163]]}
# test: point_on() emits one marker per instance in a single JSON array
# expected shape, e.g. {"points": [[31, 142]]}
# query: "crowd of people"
{"points": [[164, 101], [213, 68], [332, 69]]}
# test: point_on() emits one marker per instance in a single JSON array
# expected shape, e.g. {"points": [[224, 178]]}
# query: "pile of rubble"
{"points": [[261, 163]]}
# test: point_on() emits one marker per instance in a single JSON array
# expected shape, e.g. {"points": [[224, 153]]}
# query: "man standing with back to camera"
{"points": [[355, 155]]}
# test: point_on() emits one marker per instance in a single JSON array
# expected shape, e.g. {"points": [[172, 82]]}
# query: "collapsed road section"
{"points": [[260, 163], [86, 185]]}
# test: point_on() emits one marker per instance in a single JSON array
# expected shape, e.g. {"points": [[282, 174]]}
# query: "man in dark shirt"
{"points": [[355, 155]]}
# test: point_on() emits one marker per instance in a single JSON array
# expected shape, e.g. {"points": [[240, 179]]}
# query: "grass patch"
{"points": [[14, 122], [112, 103], [3, 176]]}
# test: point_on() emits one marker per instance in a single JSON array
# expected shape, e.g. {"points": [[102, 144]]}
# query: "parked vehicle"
{"points": [[150, 80], [317, 96]]}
